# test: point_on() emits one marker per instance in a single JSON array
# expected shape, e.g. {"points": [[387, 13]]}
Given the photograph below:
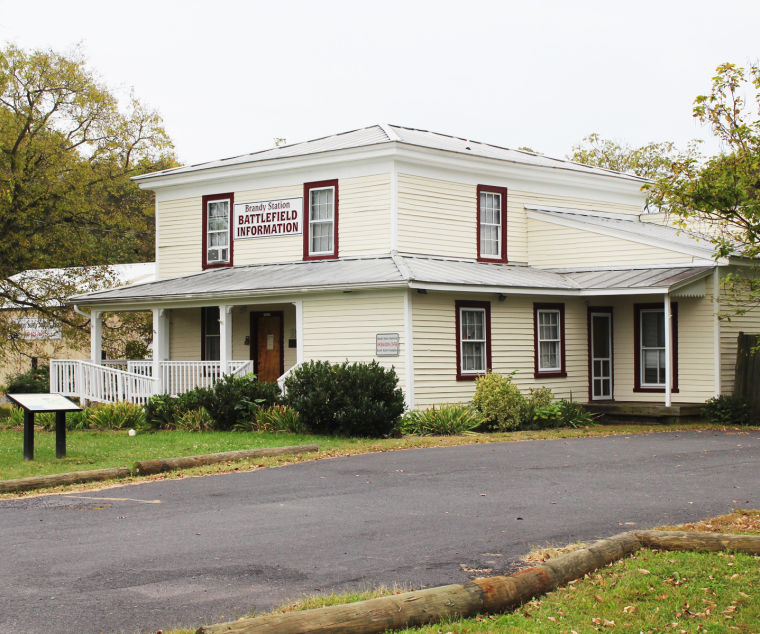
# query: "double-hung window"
{"points": [[649, 341], [549, 340], [473, 332], [210, 345], [321, 230], [492, 223], [217, 230]]}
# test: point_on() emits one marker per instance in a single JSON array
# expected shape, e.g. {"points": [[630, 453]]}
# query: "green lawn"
{"points": [[88, 450]]}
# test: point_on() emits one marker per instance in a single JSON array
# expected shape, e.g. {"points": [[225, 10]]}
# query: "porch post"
{"points": [[299, 330], [160, 346], [225, 337], [668, 350], [716, 331], [96, 336]]}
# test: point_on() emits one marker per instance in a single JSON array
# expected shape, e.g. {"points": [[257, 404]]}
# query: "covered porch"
{"points": [[193, 346]]}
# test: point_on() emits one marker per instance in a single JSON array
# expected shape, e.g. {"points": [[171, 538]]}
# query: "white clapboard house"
{"points": [[440, 256]]}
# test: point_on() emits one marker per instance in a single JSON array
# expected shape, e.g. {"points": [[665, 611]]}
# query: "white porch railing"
{"points": [[107, 383], [99, 383]]}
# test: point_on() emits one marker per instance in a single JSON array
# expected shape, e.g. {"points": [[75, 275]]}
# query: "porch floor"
{"points": [[648, 412]]}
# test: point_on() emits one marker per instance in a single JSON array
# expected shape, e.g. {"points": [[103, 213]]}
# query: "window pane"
{"points": [[653, 329], [489, 240], [549, 355], [473, 356], [473, 325], [321, 207]]}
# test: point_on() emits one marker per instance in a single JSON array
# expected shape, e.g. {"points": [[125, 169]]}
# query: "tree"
{"points": [[651, 161], [721, 193], [67, 152]]}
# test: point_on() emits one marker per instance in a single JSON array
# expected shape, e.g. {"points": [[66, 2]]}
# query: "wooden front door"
{"points": [[266, 345]]}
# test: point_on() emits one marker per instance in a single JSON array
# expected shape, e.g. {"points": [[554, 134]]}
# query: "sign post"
{"points": [[33, 403]]}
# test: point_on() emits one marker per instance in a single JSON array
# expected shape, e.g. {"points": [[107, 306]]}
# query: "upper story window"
{"points": [[320, 236], [217, 230], [549, 340], [492, 223], [649, 335], [473, 331]]}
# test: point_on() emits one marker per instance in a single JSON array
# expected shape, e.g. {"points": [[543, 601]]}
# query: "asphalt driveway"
{"points": [[199, 550]]}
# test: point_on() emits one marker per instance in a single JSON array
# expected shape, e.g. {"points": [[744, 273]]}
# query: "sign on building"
{"points": [[268, 218], [37, 328], [386, 344]]}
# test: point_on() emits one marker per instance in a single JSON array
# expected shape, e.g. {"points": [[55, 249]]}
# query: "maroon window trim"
{"points": [[494, 190], [470, 304], [307, 187], [601, 309], [204, 309], [637, 308], [551, 374], [204, 255]]}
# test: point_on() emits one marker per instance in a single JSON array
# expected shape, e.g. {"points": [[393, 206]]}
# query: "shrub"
{"points": [[195, 420], [357, 399], [34, 381], [728, 410], [538, 398], [500, 402], [121, 415], [562, 413], [447, 420], [279, 418], [234, 400]]}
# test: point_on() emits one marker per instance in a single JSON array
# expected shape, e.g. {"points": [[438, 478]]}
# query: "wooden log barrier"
{"points": [[59, 479], [149, 467], [710, 542], [492, 594]]}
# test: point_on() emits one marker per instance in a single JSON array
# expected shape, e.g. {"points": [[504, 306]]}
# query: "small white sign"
{"points": [[44, 402], [37, 328], [386, 344], [268, 218]]}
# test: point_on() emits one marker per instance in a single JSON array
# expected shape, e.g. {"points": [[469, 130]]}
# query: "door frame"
{"points": [[592, 310], [254, 353]]}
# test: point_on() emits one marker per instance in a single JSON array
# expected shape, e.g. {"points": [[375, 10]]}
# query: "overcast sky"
{"points": [[228, 77]]}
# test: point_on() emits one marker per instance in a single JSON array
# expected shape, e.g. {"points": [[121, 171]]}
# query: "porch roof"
{"points": [[395, 270]]}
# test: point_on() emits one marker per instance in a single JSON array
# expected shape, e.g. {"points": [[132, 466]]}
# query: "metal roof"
{"points": [[631, 227], [388, 133], [392, 270]]}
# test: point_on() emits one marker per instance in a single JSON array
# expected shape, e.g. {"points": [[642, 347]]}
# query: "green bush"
{"points": [[357, 399], [448, 420], [728, 410], [279, 418], [234, 400], [121, 415], [34, 381], [562, 413], [195, 420], [500, 402]]}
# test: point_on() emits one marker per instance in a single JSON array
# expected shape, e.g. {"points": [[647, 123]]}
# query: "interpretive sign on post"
{"points": [[33, 403]]}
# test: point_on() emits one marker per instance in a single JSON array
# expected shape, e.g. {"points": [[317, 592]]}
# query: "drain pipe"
{"points": [[81, 312]]}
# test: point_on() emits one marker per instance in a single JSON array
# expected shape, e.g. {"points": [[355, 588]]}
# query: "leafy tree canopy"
{"points": [[67, 152]]}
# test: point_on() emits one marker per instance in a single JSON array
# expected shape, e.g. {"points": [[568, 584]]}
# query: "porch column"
{"points": [[96, 336], [225, 337], [668, 350], [160, 346], [299, 330]]}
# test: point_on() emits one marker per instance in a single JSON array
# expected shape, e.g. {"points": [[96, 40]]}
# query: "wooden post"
{"points": [[60, 434], [28, 435], [668, 351]]}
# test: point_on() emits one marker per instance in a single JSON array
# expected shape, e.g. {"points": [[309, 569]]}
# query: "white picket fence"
{"points": [[126, 380]]}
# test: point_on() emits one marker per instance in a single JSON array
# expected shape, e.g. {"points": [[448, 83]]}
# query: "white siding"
{"points": [[180, 229], [185, 334], [364, 215], [343, 326], [553, 245], [435, 347]]}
